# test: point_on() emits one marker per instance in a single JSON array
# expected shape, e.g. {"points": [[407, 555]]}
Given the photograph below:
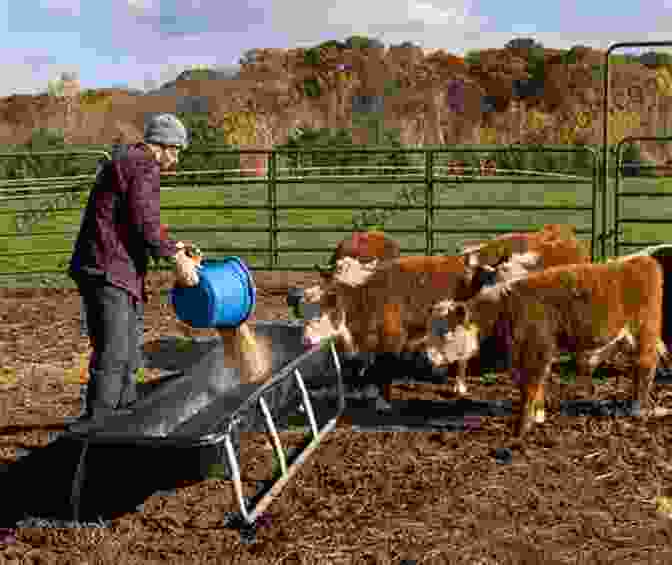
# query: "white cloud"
{"points": [[73, 7], [139, 4], [430, 14], [429, 23]]}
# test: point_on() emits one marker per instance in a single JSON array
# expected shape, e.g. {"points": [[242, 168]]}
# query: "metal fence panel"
{"points": [[619, 195], [427, 168], [604, 173]]}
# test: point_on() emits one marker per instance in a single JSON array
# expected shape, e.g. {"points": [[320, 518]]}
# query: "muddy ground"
{"points": [[579, 490]]}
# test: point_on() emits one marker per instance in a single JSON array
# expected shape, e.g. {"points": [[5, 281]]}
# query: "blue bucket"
{"points": [[224, 297]]}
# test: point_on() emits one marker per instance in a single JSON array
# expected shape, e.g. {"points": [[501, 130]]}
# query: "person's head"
{"points": [[165, 136]]}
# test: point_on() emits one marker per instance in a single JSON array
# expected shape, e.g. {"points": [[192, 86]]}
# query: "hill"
{"points": [[522, 93]]}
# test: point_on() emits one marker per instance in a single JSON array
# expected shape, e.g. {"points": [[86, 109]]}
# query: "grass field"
{"points": [[210, 227]]}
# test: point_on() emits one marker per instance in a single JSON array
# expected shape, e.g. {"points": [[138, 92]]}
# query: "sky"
{"points": [[142, 44]]}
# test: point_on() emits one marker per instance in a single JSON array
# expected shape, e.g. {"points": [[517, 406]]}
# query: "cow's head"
{"points": [[519, 266], [325, 318], [352, 273], [488, 253], [455, 328], [451, 335], [326, 304]]}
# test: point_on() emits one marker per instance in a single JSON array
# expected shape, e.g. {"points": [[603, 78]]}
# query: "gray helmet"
{"points": [[166, 129]]}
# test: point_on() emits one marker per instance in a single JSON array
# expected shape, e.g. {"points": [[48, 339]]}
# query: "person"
{"points": [[120, 230]]}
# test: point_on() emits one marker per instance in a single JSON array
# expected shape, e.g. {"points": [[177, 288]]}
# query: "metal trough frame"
{"points": [[246, 416]]}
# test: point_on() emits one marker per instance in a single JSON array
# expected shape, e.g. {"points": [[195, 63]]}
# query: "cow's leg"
{"points": [[643, 380], [460, 388], [345, 341], [532, 368], [645, 371], [532, 402], [588, 361], [392, 338], [586, 364]]}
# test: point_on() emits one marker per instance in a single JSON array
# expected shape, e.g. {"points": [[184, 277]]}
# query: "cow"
{"points": [[516, 254], [382, 307], [591, 309]]}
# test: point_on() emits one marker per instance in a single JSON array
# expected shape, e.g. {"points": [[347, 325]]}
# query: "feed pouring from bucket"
{"points": [[224, 299]]}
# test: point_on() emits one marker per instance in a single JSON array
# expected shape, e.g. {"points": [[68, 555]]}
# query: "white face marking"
{"points": [[351, 272], [450, 340], [519, 266]]}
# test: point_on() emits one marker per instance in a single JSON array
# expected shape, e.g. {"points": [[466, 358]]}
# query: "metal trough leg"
{"points": [[270, 426], [307, 405], [78, 482], [235, 476]]}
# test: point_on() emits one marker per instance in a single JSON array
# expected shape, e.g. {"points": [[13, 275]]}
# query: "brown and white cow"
{"points": [[591, 309], [384, 307], [516, 254], [364, 246]]}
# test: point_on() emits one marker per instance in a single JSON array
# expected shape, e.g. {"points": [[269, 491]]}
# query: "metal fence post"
{"points": [[429, 202], [273, 195]]}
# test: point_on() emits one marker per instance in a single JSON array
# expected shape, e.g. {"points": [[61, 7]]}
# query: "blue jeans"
{"points": [[114, 324]]}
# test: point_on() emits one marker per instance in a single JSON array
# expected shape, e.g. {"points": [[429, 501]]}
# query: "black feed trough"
{"points": [[184, 429]]}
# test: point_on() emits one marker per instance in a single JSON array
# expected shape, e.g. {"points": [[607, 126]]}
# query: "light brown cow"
{"points": [[517, 254], [384, 307], [592, 309]]}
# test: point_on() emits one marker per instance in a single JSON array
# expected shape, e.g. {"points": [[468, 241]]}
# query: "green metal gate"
{"points": [[610, 226], [428, 172], [619, 195]]}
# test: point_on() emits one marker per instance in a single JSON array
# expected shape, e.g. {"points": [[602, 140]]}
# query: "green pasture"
{"points": [[215, 230]]}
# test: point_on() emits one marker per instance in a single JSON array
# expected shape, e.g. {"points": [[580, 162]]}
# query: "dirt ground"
{"points": [[579, 490]]}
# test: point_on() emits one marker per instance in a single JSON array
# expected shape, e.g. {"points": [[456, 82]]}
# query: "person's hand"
{"points": [[186, 267]]}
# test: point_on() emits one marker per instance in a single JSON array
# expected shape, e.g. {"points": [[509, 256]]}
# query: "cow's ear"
{"points": [[470, 245]]}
